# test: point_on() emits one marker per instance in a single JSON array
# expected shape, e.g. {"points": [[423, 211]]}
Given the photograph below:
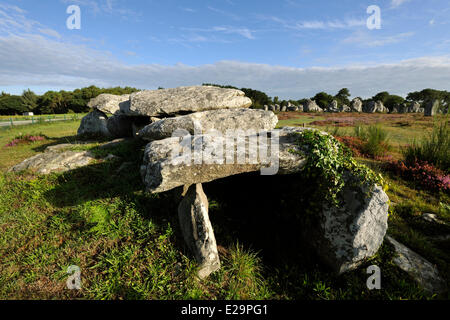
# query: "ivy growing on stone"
{"points": [[332, 165]]}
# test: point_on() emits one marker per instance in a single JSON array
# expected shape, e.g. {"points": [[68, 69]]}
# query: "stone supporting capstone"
{"points": [[197, 230]]}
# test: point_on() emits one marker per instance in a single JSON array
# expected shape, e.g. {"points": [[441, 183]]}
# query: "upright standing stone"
{"points": [[311, 106], [431, 108], [94, 123], [356, 105], [197, 230]]}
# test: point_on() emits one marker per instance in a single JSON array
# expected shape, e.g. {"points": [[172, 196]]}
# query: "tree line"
{"points": [[342, 97], [55, 102], [60, 102]]}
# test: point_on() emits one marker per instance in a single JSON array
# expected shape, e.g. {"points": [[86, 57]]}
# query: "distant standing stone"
{"points": [[197, 230], [431, 108], [356, 105]]}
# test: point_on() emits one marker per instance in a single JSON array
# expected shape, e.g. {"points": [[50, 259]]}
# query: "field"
{"points": [[43, 117], [128, 245]]}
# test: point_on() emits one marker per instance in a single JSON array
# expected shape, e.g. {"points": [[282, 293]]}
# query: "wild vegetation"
{"points": [[128, 245]]}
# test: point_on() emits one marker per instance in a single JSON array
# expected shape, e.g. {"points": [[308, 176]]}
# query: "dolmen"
{"points": [[199, 134]]}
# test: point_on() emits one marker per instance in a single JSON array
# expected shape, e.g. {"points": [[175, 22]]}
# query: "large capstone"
{"points": [[94, 124], [197, 230], [110, 103], [178, 161], [202, 122], [185, 100]]}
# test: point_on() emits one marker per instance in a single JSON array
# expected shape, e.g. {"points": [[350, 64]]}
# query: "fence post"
{"points": [[10, 119], [32, 119]]}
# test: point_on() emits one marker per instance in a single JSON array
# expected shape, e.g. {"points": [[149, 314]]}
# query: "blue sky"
{"points": [[289, 48]]}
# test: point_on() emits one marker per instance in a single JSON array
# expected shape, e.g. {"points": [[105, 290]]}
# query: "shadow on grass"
{"points": [[263, 213], [75, 139]]}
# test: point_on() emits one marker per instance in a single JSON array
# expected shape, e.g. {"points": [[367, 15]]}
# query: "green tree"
{"points": [[430, 94], [342, 97], [393, 101], [29, 99], [11, 105], [381, 96], [323, 99]]}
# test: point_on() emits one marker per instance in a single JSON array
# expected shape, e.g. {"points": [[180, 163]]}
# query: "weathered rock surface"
{"points": [[206, 159], [109, 103], [55, 159], [344, 108], [333, 107], [431, 108], [197, 230], [418, 267], [185, 99], [414, 107], [356, 105], [203, 122], [431, 217], [120, 126], [374, 106], [346, 236], [311, 106], [94, 123]]}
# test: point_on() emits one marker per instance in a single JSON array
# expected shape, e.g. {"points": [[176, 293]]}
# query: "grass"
{"points": [[43, 117], [57, 132], [375, 138], [433, 148], [128, 245]]}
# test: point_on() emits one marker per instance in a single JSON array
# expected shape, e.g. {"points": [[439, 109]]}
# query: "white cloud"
{"points": [[242, 31], [316, 24], [397, 3], [111, 7], [366, 39], [34, 61], [13, 21], [50, 32], [225, 13], [189, 10]]}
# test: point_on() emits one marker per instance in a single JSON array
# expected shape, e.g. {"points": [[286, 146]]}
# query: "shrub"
{"points": [[433, 149], [375, 140], [423, 174], [353, 143], [27, 138]]}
